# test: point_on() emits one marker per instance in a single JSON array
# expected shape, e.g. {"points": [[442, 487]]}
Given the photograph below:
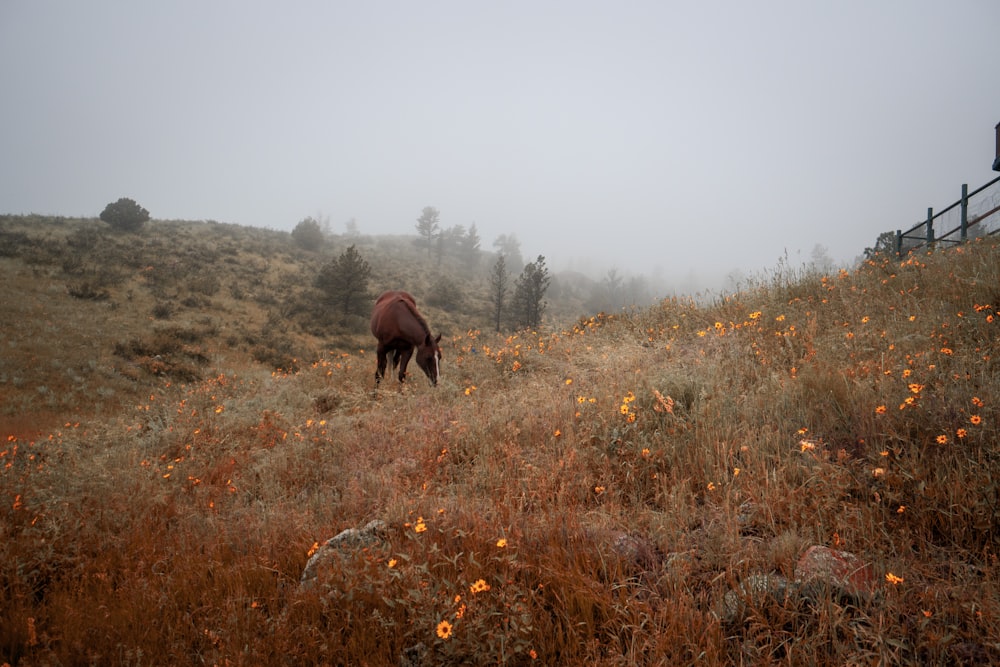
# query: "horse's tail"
{"points": [[395, 358]]}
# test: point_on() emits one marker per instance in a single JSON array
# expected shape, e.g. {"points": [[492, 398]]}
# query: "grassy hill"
{"points": [[593, 493]]}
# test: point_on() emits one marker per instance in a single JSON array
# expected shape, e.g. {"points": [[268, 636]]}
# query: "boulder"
{"points": [[345, 541], [840, 571]]}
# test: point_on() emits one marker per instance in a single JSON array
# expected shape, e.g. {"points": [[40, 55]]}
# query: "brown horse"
{"points": [[401, 329]]}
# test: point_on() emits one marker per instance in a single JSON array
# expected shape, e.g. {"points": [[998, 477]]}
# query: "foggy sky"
{"points": [[660, 137]]}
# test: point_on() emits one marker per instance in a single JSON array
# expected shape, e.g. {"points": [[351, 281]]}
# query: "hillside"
{"points": [[96, 319], [644, 488]]}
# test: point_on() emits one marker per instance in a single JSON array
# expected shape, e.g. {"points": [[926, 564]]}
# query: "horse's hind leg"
{"points": [[383, 358]]}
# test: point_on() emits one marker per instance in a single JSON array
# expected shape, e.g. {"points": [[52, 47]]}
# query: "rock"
{"points": [[840, 570], [756, 591], [347, 540], [636, 552]]}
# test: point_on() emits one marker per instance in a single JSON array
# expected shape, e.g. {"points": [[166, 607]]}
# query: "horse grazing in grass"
{"points": [[401, 329]]}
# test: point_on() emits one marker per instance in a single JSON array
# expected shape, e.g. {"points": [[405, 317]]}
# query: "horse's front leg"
{"points": [[404, 359]]}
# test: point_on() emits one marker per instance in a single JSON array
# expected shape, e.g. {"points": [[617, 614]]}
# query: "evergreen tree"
{"points": [[427, 227], [344, 283], [125, 214], [499, 285], [529, 292]]}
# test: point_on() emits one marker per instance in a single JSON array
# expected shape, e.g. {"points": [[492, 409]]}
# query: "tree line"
{"points": [[515, 302]]}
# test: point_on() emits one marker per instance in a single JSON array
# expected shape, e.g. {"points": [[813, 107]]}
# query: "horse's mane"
{"points": [[412, 307]]}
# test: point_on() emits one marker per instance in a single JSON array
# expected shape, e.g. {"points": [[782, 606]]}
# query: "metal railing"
{"points": [[972, 210]]}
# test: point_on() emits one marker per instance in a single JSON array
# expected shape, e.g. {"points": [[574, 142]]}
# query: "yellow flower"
{"points": [[444, 630], [893, 579], [961, 433], [711, 486], [502, 542], [976, 419], [569, 381], [392, 562], [978, 402], [598, 490], [880, 410], [420, 526], [916, 388], [479, 587], [942, 440]]}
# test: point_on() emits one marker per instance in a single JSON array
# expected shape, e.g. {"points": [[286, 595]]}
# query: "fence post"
{"points": [[965, 212], [899, 244], [930, 226]]}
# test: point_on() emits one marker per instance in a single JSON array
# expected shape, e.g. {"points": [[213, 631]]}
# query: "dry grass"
{"points": [[856, 410]]}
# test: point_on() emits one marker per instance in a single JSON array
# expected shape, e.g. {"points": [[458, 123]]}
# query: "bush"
{"points": [[125, 215], [308, 234]]}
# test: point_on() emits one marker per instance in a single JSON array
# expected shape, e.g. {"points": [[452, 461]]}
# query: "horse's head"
{"points": [[429, 358]]}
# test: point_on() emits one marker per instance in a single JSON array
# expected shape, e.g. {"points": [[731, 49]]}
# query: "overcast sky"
{"points": [[672, 137]]}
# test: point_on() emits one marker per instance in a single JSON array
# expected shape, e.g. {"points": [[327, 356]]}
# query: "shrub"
{"points": [[308, 234], [125, 215]]}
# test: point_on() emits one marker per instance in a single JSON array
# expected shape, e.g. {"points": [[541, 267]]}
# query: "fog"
{"points": [[686, 141]]}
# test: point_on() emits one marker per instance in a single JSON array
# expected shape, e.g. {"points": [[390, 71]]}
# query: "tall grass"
{"points": [[585, 496]]}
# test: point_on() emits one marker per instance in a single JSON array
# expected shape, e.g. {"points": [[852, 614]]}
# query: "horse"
{"points": [[400, 329]]}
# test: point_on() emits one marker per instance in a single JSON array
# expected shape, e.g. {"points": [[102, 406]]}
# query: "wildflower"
{"points": [[893, 579], [645, 452], [516, 367], [915, 387], [902, 508], [736, 472], [444, 629], [806, 445], [961, 433], [663, 403], [392, 562], [557, 433], [880, 410], [878, 472], [942, 439], [313, 549], [533, 654], [711, 486], [581, 399], [460, 612], [420, 525], [502, 542], [479, 587], [946, 351], [569, 381], [976, 420], [469, 390], [978, 402], [598, 490]]}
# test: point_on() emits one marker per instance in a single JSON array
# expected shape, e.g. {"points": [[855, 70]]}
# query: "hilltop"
{"points": [[636, 488]]}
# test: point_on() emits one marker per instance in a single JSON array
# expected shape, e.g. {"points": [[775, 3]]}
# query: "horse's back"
{"points": [[386, 315]]}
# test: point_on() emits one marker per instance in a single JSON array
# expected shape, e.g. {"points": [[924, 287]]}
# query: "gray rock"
{"points": [[345, 541]]}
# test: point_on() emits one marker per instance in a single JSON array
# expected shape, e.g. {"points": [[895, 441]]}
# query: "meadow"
{"points": [[593, 492]]}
